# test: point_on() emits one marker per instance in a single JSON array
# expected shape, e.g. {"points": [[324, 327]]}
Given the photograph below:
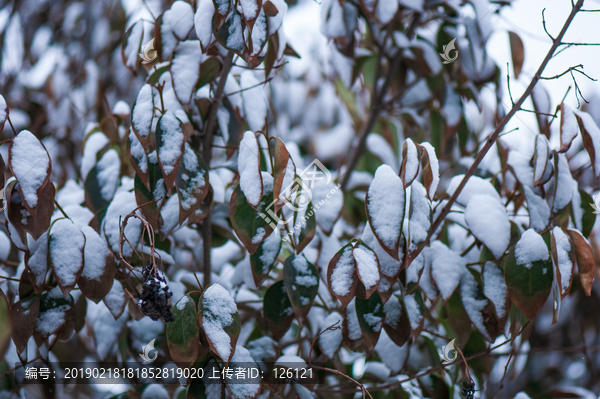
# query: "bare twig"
{"points": [[332, 328], [358, 384]]}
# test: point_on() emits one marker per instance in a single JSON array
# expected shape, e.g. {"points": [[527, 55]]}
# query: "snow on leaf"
{"points": [[31, 165], [251, 182], [539, 211], [568, 127], [191, 182], [260, 33], [169, 140], [521, 167], [396, 324], [65, 246], [563, 257], [3, 112], [390, 267], [284, 172], [301, 282], [108, 172], [531, 248], [231, 33], [93, 144], [36, 261], [250, 8], [367, 267], [243, 386], [494, 288], [115, 299], [475, 186], [142, 114], [138, 157], [410, 162], [563, 183], [446, 268], [488, 221], [384, 205], [130, 48], [370, 316], [541, 155], [473, 303], [220, 320], [185, 69], [341, 274], [390, 353], [591, 139], [263, 260], [55, 310], [99, 266], [420, 216], [255, 105], [175, 24], [330, 341], [414, 308], [222, 8], [13, 50], [122, 204], [431, 169], [183, 335], [203, 23]]}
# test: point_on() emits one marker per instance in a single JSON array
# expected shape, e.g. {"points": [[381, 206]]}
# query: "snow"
{"points": [[342, 275], [494, 287], [420, 218], [203, 22], [143, 111], [373, 320], [109, 169], [446, 268], [115, 299], [259, 32], [291, 361], [331, 340], [378, 146], [488, 221], [568, 127], [170, 214], [155, 391], [475, 185], [391, 355], [185, 77], [260, 234], [411, 167], [122, 204], [121, 108], [4, 246], [385, 205], [179, 20], [13, 50], [255, 105], [132, 48], [531, 248], [389, 266], [367, 267], [541, 156], [95, 253], [94, 143], [328, 200], [333, 19], [38, 261], [539, 211], [66, 245], [137, 152], [303, 272], [52, 319], [169, 153], [522, 170], [262, 348], [235, 40], [433, 163], [303, 392], [249, 9], [565, 264], [3, 109], [194, 184], [270, 250], [354, 332], [564, 183], [218, 308], [473, 306], [594, 134], [414, 269], [393, 312], [249, 169], [251, 385], [30, 163], [412, 308]]}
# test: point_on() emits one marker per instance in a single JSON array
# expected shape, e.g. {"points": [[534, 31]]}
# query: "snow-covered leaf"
{"points": [[102, 181], [341, 275], [563, 258], [528, 273], [568, 127], [191, 182], [36, 262], [539, 211], [172, 26], [563, 183], [328, 200], [430, 169], [115, 299], [55, 311], [284, 172], [183, 335], [250, 9], [99, 267], [384, 205], [390, 267], [488, 221], [419, 221], [278, 310], [255, 104], [185, 69], [305, 226], [65, 247], [243, 386], [220, 320], [222, 8], [591, 139], [585, 260], [138, 157], [446, 268], [541, 156], [30, 163], [264, 258], [367, 269], [131, 45], [259, 37], [478, 307], [170, 146], [231, 33], [251, 182], [142, 113], [3, 112], [20, 217], [370, 316], [203, 23], [494, 288], [410, 162], [301, 283], [475, 186], [396, 324]]}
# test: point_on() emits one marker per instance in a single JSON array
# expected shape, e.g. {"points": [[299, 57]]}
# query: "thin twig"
{"points": [[332, 328], [361, 386]]}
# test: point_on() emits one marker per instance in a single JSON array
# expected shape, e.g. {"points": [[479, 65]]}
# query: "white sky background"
{"points": [[302, 24]]}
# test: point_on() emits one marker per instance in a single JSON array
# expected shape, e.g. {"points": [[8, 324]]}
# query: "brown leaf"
{"points": [[270, 9], [24, 314], [585, 260], [556, 259], [517, 51], [591, 137], [20, 217], [365, 270], [283, 165], [410, 162], [96, 290]]}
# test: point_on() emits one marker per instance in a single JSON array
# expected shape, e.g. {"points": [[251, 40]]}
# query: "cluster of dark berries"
{"points": [[469, 390], [154, 299]]}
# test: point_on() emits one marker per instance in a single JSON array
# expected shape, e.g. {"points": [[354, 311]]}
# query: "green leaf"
{"points": [[301, 283], [230, 34], [589, 217], [370, 318], [396, 324], [264, 258], [183, 335], [252, 226], [528, 287], [278, 310], [191, 182], [209, 71], [304, 228]]}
